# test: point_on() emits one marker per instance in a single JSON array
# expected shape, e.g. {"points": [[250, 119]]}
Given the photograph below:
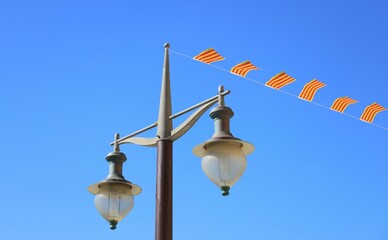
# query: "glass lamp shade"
{"points": [[114, 201], [224, 163]]}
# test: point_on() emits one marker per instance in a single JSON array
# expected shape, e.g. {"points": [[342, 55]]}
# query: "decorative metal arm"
{"points": [[179, 131]]}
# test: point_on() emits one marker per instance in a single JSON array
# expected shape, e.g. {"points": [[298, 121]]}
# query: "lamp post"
{"points": [[223, 158]]}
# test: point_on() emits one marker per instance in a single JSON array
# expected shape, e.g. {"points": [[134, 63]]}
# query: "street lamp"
{"points": [[114, 195], [223, 158]]}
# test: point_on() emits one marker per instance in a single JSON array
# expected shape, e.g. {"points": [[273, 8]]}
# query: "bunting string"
{"points": [[282, 79]]}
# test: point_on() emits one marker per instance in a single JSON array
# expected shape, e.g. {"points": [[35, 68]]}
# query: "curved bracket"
{"points": [[190, 121], [148, 142], [176, 133]]}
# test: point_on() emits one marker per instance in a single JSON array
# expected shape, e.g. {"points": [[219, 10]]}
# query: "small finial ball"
{"points": [[113, 224], [225, 190], [166, 45]]}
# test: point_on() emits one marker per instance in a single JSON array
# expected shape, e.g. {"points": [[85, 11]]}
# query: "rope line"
{"points": [[280, 90]]}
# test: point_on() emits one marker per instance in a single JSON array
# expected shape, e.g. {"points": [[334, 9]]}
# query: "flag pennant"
{"points": [[209, 56], [370, 112], [340, 104], [309, 90], [243, 68], [280, 80]]}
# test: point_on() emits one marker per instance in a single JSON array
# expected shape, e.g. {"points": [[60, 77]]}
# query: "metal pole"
{"points": [[163, 221], [163, 209]]}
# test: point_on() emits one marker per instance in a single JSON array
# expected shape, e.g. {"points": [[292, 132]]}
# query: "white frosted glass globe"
{"points": [[114, 201], [224, 163]]}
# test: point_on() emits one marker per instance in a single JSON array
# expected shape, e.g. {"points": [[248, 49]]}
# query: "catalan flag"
{"points": [[243, 68], [280, 80], [310, 89], [371, 111], [209, 56], [340, 104]]}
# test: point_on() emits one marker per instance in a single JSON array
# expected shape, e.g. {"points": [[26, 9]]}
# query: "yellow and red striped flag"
{"points": [[340, 104], [371, 111], [243, 68], [209, 56], [310, 89], [280, 80]]}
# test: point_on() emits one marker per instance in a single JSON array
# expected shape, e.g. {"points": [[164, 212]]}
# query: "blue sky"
{"points": [[73, 73]]}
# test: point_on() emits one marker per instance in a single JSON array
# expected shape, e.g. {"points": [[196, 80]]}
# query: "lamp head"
{"points": [[223, 156], [114, 195]]}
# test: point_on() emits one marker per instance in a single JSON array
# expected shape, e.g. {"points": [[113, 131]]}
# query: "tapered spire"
{"points": [[165, 109]]}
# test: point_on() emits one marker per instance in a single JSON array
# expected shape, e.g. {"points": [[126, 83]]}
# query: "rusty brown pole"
{"points": [[163, 221]]}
